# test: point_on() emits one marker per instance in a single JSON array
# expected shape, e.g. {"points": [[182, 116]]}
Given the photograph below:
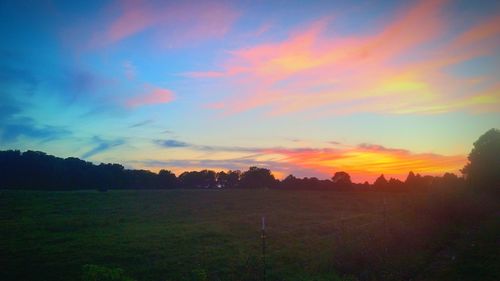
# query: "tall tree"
{"points": [[483, 169]]}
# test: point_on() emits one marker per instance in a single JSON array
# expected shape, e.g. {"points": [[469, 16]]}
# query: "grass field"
{"points": [[215, 235]]}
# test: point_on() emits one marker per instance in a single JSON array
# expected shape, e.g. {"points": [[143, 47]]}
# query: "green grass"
{"points": [[215, 235]]}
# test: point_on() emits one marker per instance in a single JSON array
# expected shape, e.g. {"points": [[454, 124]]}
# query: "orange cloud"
{"points": [[153, 95], [400, 69], [366, 162]]}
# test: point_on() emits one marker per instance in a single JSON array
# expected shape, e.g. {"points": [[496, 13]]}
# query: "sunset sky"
{"points": [[300, 87]]}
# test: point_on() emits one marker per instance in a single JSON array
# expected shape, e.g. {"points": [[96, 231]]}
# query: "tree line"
{"points": [[35, 170]]}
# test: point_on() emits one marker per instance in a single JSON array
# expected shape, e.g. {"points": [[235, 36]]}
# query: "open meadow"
{"points": [[216, 235]]}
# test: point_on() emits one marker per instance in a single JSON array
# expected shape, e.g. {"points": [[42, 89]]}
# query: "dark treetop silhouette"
{"points": [[38, 171], [483, 169]]}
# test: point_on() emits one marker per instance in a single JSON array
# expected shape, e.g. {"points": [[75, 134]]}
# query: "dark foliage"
{"points": [[342, 180], [37, 170], [228, 179], [257, 178], [483, 169], [198, 179]]}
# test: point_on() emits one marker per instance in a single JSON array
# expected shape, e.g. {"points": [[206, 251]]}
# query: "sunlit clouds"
{"points": [[366, 162], [172, 23], [151, 95], [401, 68]]}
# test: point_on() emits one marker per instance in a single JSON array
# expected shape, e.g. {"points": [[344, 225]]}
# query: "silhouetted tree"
{"points": [[380, 183], [483, 169], [198, 179], [448, 180], [228, 180], [290, 182], [257, 178], [395, 185], [342, 180], [167, 179], [37, 170], [365, 185]]}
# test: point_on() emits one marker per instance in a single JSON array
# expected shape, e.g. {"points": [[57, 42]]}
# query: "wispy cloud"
{"points": [[21, 77], [152, 95], [13, 128], [400, 69], [141, 124], [172, 143], [168, 24], [7, 111], [12, 132], [364, 161], [367, 161], [101, 146]]}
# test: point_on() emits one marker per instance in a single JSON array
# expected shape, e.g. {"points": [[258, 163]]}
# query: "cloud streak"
{"points": [[168, 24], [101, 146], [151, 96], [141, 124], [364, 161], [12, 132], [14, 127], [401, 69]]}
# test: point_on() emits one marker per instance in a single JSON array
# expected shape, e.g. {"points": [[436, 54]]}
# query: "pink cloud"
{"points": [[151, 96], [135, 17], [172, 24], [400, 69]]}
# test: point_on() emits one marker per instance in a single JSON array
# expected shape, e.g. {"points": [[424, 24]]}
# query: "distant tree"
{"points": [[228, 180], [167, 179], [311, 183], [380, 183], [342, 179], [449, 180], [256, 177], [450, 177], [139, 179], [290, 182], [208, 179], [111, 175], [395, 185], [414, 182], [198, 179], [483, 169], [37, 170], [365, 185]]}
